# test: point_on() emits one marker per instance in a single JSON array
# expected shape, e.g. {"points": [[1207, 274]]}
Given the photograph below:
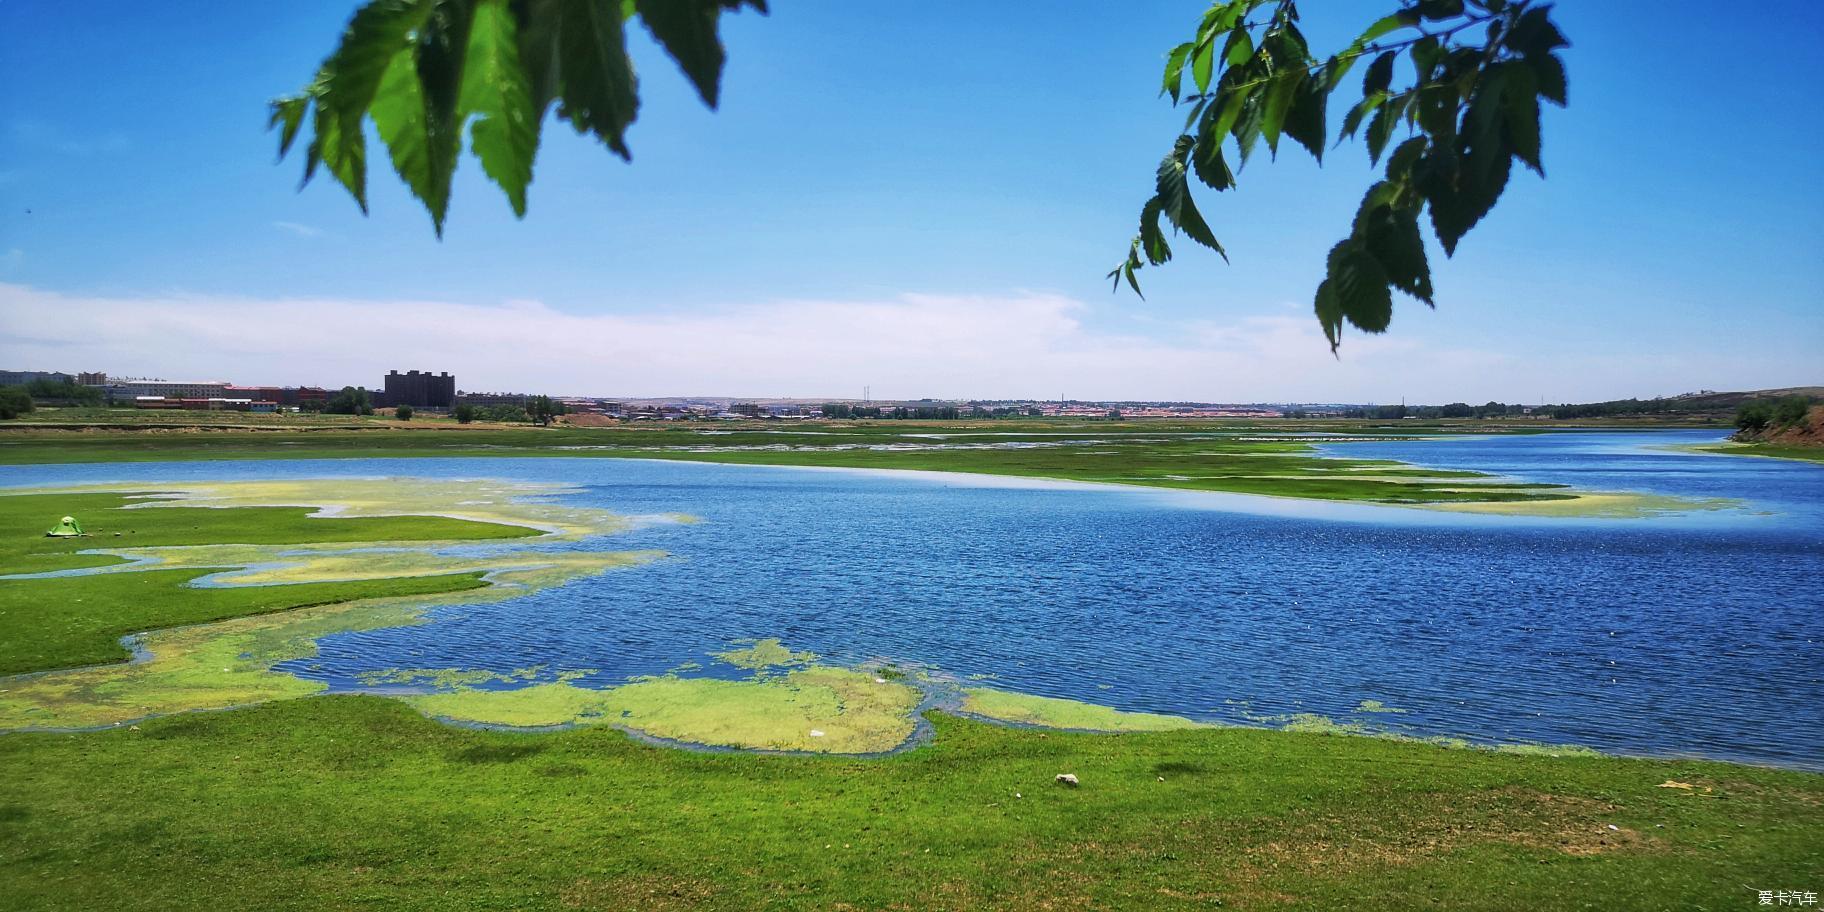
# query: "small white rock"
{"points": [[816, 734], [1613, 826]]}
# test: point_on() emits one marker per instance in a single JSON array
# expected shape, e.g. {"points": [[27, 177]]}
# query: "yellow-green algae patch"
{"points": [[821, 709], [764, 654], [1052, 712], [514, 503], [480, 500], [230, 663], [1315, 724], [1599, 505]]}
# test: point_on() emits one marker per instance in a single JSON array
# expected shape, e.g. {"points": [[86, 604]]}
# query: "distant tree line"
{"points": [[924, 412]]}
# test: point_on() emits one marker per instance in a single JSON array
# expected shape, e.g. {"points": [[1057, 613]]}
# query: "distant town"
{"points": [[403, 393]]}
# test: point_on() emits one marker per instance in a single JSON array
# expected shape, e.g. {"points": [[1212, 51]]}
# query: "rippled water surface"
{"points": [[1693, 634]]}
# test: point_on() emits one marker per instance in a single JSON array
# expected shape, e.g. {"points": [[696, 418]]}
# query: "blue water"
{"points": [[1697, 634]]}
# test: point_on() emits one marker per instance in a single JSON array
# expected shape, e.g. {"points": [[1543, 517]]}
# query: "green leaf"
{"points": [[1238, 48], [599, 90], [1203, 64], [443, 45], [346, 159], [1211, 168], [398, 114], [1534, 34], [1173, 84], [688, 30], [1521, 114], [290, 112], [1380, 129], [1548, 72], [1329, 313], [1305, 122], [496, 91], [1352, 121], [347, 82], [350, 77], [1359, 286], [1405, 156], [1246, 128], [1440, 9], [1380, 74], [1392, 237], [1174, 196], [1152, 240], [1280, 93], [1382, 26]]}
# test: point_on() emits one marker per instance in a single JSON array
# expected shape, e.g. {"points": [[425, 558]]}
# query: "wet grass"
{"points": [[1770, 450], [358, 802], [54, 623]]}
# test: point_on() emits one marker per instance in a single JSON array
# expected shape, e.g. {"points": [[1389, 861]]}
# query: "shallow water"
{"points": [[1691, 634]]}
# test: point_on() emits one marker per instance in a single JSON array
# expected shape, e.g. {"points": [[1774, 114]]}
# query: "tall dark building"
{"points": [[420, 389]]}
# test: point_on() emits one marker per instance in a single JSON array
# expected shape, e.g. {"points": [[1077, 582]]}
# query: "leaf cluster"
{"points": [[424, 71], [1478, 72]]}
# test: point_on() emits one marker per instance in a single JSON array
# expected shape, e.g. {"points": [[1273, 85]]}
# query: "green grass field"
{"points": [[359, 803]]}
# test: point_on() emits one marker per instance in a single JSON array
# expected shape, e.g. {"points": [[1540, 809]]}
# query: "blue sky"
{"points": [[920, 197]]}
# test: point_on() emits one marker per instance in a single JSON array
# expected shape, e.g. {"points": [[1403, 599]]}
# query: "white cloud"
{"points": [[303, 231], [1017, 345]]}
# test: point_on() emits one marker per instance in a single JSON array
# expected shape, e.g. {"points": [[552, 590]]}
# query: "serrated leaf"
{"points": [[1352, 121], [1548, 73], [350, 77], [1175, 200], [1359, 286], [1404, 157], [688, 31], [496, 91], [1380, 129], [599, 90], [1173, 83], [1305, 123], [288, 112], [1380, 74], [1203, 64], [398, 114], [1520, 114], [1534, 34], [1329, 313], [443, 45], [1246, 126], [1279, 95], [1152, 239], [346, 159], [1238, 48], [1382, 26], [1440, 9], [1392, 237], [1210, 166]]}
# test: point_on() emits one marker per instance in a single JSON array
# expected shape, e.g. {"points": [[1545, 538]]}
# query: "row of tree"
{"points": [[923, 412]]}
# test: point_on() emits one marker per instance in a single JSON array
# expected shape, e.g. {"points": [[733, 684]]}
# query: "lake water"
{"points": [[1699, 634]]}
